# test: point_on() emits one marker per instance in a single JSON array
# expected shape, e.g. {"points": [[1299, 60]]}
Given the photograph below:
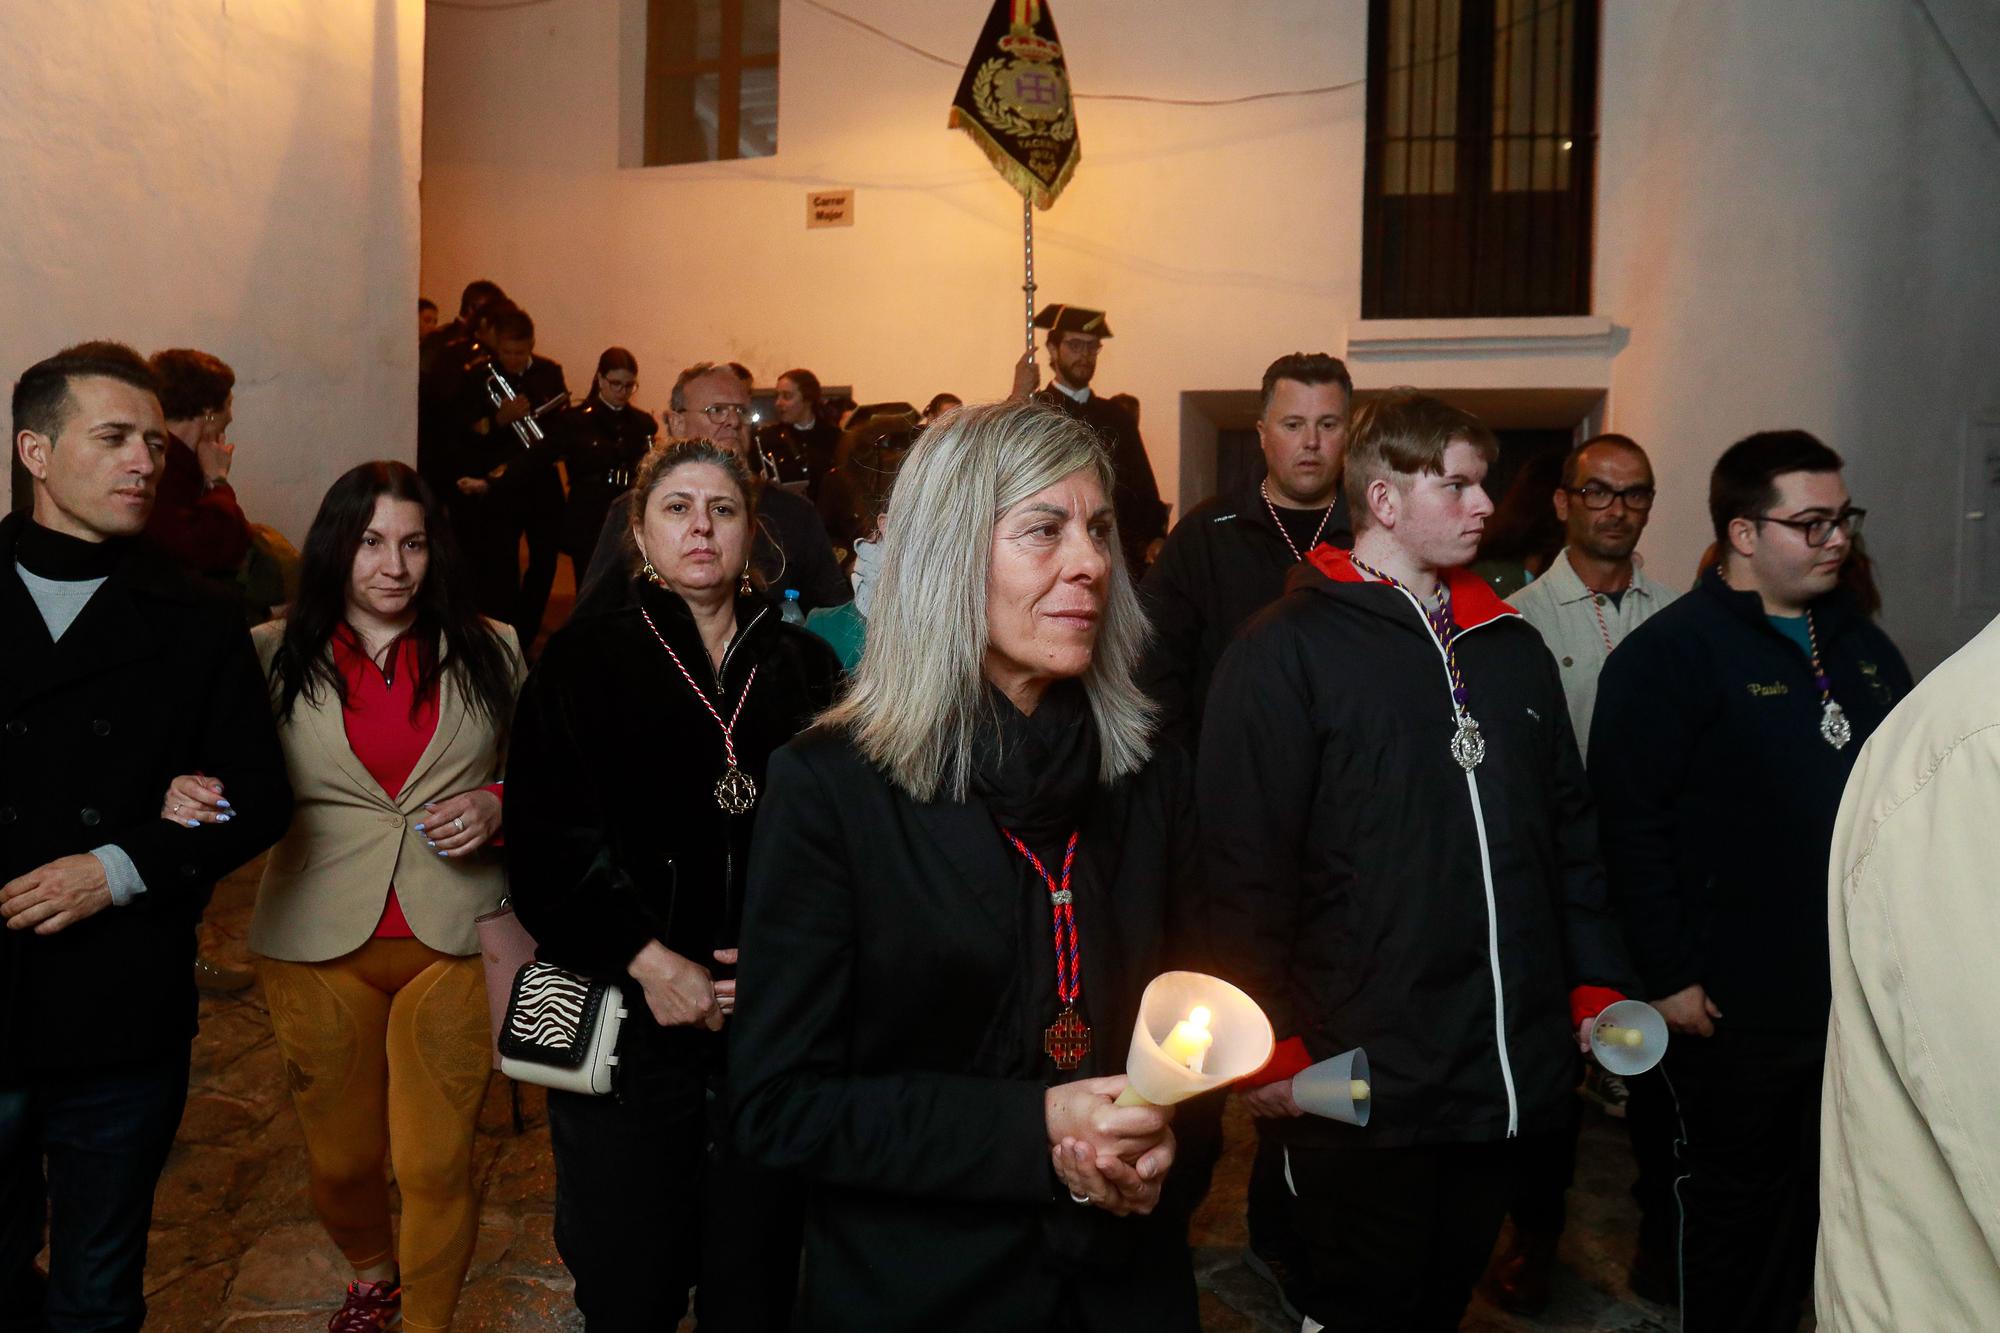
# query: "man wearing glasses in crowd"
{"points": [[1588, 601], [711, 402], [1724, 732]]}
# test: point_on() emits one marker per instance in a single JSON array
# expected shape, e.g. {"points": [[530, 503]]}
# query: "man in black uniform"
{"points": [[1228, 558], [1075, 334], [501, 487], [442, 355], [711, 402], [1399, 856]]}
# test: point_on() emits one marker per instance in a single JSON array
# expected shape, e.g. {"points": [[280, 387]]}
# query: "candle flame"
{"points": [[1199, 1016]]}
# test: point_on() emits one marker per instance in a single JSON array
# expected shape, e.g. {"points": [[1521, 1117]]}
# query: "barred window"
{"points": [[1482, 137]]}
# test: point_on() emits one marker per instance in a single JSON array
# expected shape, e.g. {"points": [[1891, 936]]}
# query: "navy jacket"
{"points": [[1717, 795]]}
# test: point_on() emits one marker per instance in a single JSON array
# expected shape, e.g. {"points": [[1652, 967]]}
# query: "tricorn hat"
{"points": [[1060, 319]]}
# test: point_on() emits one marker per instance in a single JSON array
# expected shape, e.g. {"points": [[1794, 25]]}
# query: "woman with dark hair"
{"points": [[638, 756], [603, 440], [909, 1042], [393, 698], [195, 518], [799, 447]]}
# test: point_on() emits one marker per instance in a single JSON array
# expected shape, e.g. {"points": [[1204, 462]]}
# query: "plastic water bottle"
{"points": [[793, 613]]}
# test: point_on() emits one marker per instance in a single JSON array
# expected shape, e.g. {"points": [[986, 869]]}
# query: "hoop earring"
{"points": [[651, 575]]}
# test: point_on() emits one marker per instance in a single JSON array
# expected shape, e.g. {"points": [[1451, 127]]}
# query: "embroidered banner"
{"points": [[1015, 101]]}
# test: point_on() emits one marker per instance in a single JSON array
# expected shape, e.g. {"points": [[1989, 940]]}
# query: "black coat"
{"points": [[1222, 564], [154, 679], [1346, 855], [480, 443], [1717, 795], [798, 458], [1142, 518], [614, 837], [601, 447], [897, 975]]}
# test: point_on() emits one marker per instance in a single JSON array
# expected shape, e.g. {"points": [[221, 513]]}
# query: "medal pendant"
{"points": [[736, 791], [1833, 725], [1468, 747], [1067, 1040]]}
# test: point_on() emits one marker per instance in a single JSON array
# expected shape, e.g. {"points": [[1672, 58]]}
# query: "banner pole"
{"points": [[1028, 258]]}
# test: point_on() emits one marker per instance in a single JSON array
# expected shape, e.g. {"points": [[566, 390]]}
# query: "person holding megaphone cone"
{"points": [[964, 879], [1399, 859]]}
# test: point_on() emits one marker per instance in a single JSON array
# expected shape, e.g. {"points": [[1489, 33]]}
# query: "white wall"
{"points": [[1798, 224], [1215, 237], [236, 177]]}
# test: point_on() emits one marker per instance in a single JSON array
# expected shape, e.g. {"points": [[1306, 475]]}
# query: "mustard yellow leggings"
{"points": [[387, 1052]]}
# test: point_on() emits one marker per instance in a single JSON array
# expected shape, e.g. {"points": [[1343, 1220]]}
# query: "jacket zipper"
{"points": [[717, 673], [1492, 903]]}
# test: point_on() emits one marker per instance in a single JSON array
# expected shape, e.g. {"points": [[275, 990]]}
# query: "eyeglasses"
{"points": [[724, 411], [1819, 531], [625, 385], [1595, 495]]}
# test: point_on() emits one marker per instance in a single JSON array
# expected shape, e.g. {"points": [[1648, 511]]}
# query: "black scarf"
{"points": [[1036, 774], [57, 556]]}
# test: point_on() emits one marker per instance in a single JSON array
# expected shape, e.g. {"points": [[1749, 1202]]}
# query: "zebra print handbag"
{"points": [[562, 1030]]}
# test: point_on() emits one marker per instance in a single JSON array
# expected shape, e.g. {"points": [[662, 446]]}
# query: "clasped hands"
{"points": [[681, 992], [1114, 1157]]}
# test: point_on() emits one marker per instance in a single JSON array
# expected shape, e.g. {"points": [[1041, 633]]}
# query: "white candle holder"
{"points": [[1243, 1039]]}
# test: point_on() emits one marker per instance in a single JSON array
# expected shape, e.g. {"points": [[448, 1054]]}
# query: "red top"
{"points": [[200, 526], [385, 735]]}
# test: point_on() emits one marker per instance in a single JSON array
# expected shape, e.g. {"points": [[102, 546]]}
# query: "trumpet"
{"points": [[500, 392]]}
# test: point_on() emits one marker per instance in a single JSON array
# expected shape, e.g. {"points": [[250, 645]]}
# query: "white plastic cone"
{"points": [[1242, 1045], [1629, 1038], [1328, 1088]]}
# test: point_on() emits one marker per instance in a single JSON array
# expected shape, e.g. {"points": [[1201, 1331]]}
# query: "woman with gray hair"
{"points": [[908, 1040]]}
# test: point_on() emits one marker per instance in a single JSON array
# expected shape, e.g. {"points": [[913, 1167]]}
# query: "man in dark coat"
{"points": [[1229, 556], [442, 355], [1075, 334], [504, 488], [121, 672], [1399, 856], [1724, 733], [710, 402]]}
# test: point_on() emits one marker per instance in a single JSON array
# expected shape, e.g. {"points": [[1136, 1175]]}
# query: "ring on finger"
{"points": [[1084, 1199], [459, 823]]}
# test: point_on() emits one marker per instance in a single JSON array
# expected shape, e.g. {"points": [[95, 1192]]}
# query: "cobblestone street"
{"points": [[235, 1245]]}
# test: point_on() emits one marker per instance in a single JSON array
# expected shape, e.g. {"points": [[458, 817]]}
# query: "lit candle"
{"points": [[1188, 1043], [1617, 1036]]}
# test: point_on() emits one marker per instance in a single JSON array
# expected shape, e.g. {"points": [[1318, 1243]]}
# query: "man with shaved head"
{"points": [[1593, 594]]}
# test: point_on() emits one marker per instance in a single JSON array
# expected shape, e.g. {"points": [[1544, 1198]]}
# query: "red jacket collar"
{"points": [[1473, 601]]}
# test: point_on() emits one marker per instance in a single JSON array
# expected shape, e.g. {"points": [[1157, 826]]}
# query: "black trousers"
{"points": [[1749, 1107], [489, 528], [1540, 1206], [1268, 1202], [1396, 1236], [104, 1136], [1654, 1128], [652, 1201]]}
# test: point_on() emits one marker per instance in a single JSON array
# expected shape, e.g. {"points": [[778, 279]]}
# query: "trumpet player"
{"points": [[504, 475]]}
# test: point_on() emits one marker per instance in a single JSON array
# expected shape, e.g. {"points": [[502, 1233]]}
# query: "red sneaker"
{"points": [[372, 1307]]}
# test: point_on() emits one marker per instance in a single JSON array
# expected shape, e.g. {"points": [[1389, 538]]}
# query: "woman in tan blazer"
{"points": [[393, 698]]}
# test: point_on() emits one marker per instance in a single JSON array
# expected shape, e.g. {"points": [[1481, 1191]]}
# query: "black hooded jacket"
{"points": [[1370, 892]]}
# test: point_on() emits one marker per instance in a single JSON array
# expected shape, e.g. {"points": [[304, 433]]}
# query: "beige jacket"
{"points": [[1910, 1146], [326, 881]]}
